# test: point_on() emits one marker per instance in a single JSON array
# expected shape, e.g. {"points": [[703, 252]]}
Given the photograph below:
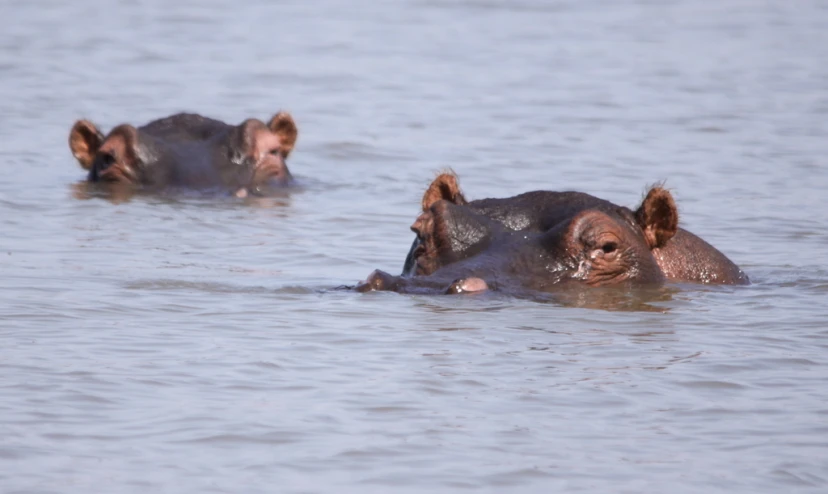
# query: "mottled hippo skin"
{"points": [[188, 150], [543, 240]]}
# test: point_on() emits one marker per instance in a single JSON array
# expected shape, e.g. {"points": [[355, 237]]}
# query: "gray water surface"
{"points": [[197, 344]]}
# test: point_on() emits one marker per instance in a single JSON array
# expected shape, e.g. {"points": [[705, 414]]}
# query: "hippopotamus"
{"points": [[188, 150], [544, 240]]}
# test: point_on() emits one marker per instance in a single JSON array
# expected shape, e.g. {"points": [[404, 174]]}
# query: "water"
{"points": [[195, 344]]}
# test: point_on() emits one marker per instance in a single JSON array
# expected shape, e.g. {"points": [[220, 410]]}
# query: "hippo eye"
{"points": [[276, 152], [609, 247], [107, 160]]}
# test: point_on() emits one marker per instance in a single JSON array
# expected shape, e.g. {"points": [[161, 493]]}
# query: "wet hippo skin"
{"points": [[543, 239]]}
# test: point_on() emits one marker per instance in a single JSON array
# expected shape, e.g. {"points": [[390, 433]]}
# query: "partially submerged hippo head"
{"points": [[188, 150], [536, 241]]}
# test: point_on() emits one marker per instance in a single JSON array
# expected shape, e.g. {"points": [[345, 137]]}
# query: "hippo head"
{"points": [[459, 250], [262, 150], [112, 158], [187, 150]]}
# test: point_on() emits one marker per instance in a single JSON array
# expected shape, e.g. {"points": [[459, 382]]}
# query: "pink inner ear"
{"points": [[84, 141], [282, 124], [444, 187], [658, 217]]}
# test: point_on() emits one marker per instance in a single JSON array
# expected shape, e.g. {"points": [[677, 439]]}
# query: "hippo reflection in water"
{"points": [[188, 150], [544, 240]]}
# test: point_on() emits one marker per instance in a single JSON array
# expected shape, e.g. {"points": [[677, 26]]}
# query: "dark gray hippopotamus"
{"points": [[188, 150], [543, 240]]}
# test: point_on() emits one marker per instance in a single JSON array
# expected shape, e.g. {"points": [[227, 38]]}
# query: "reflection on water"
{"points": [[118, 193], [115, 193], [615, 298], [194, 342], [604, 298]]}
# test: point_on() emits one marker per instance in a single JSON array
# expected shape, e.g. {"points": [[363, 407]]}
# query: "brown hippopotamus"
{"points": [[188, 150], [540, 240]]}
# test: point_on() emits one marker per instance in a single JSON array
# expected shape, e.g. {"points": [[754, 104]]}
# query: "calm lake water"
{"points": [[196, 344]]}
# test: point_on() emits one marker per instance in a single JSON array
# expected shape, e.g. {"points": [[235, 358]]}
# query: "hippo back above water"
{"points": [[188, 150], [542, 240]]}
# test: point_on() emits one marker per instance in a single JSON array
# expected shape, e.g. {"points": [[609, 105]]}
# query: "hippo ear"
{"points": [[444, 188], [446, 233], [658, 217], [282, 124], [84, 141]]}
